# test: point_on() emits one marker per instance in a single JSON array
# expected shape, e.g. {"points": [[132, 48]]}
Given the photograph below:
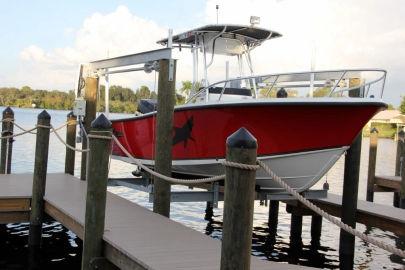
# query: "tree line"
{"points": [[122, 99]]}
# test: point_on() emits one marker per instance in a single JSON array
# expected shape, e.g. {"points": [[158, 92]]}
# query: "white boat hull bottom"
{"points": [[300, 170]]}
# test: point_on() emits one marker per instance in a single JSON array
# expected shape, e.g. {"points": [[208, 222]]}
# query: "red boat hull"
{"points": [[200, 132]]}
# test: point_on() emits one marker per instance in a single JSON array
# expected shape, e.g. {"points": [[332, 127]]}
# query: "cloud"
{"points": [[100, 36]]}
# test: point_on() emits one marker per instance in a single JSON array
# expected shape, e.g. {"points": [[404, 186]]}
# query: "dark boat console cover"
{"points": [[231, 91], [147, 105]]}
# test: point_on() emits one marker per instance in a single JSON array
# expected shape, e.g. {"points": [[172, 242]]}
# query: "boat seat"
{"points": [[147, 105], [231, 91]]}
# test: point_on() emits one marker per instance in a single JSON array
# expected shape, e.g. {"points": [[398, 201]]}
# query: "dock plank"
{"points": [[381, 216], [388, 181]]}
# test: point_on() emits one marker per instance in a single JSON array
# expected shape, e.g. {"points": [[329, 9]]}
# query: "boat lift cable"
{"points": [[279, 181]]}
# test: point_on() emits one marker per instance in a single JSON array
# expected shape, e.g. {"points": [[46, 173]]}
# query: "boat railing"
{"points": [[366, 83]]}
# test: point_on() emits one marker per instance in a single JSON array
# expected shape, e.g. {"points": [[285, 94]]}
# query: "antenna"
{"points": [[254, 20], [217, 8]]}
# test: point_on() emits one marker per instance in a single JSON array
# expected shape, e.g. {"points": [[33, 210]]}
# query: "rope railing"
{"points": [[52, 128], [165, 177]]}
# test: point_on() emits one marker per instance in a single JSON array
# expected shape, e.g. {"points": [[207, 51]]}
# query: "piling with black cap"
{"points": [[39, 180], [70, 140], [372, 159], [6, 144], [241, 147], [399, 163], [164, 129], [97, 175]]}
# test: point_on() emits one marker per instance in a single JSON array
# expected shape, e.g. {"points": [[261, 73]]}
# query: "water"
{"points": [[62, 249]]}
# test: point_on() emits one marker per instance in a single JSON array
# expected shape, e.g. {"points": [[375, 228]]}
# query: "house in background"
{"points": [[394, 118]]}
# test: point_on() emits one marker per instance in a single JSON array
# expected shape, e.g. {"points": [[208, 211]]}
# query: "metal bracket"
{"points": [[191, 196], [141, 184], [171, 69], [309, 194], [215, 194]]}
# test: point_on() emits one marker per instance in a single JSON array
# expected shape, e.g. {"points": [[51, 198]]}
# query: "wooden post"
{"points": [[241, 147], [6, 144], [39, 181], [70, 140], [399, 162], [296, 233], [401, 139], [273, 217], [164, 129], [350, 190], [349, 202], [209, 211], [402, 191], [372, 159], [316, 230], [90, 95], [97, 175]]}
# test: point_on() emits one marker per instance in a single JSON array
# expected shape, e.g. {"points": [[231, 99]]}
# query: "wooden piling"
{"points": [[273, 217], [70, 140], [90, 95], [209, 211], [349, 202], [296, 233], [241, 147], [6, 144], [97, 175], [402, 191], [399, 162], [164, 129], [372, 159], [39, 180], [316, 230]]}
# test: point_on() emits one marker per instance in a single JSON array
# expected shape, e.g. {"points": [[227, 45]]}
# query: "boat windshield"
{"points": [[365, 83]]}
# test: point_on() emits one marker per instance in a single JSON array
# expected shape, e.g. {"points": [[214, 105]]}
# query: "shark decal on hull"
{"points": [[183, 134]]}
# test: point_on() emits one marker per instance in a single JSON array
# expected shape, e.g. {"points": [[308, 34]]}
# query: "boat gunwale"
{"points": [[347, 102]]}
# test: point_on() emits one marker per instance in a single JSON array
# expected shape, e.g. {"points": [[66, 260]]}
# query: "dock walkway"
{"points": [[135, 238]]}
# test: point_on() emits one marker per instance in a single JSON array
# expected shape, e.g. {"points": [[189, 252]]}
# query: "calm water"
{"points": [[62, 249]]}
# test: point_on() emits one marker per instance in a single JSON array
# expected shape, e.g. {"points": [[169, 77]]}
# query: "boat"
{"points": [[303, 121]]}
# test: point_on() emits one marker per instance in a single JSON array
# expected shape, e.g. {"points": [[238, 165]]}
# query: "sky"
{"points": [[43, 42]]}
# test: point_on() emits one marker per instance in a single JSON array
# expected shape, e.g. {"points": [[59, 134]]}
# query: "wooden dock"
{"points": [[371, 214], [134, 237]]}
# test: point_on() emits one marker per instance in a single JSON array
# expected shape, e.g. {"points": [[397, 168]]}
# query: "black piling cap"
{"points": [[374, 130], [71, 114], [101, 122], [44, 115], [8, 111], [242, 138]]}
